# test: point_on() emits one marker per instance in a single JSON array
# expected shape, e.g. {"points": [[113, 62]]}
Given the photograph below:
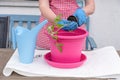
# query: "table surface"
{"points": [[5, 55]]}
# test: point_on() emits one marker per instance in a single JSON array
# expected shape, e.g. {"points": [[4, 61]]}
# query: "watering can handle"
{"points": [[13, 38]]}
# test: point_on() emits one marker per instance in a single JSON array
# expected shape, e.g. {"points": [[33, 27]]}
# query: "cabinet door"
{"points": [[3, 31]]}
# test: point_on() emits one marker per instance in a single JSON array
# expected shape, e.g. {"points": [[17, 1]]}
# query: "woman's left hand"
{"points": [[81, 16]]}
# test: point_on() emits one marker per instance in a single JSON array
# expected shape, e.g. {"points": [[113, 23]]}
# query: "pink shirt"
{"points": [[64, 7]]}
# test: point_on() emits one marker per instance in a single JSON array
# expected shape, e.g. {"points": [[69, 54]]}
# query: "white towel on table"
{"points": [[100, 62]]}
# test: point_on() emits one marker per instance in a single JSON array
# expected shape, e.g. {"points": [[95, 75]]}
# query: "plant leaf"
{"points": [[59, 25], [55, 37], [49, 29], [59, 46], [60, 49], [52, 27], [57, 19]]}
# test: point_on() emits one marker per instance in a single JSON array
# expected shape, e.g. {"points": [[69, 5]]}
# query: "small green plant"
{"points": [[53, 33]]}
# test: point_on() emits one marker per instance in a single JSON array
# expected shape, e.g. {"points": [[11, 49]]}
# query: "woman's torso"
{"points": [[63, 7]]}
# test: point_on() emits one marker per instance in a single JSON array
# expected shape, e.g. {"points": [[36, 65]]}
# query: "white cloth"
{"points": [[102, 62]]}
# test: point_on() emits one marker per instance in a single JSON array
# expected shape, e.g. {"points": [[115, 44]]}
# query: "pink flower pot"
{"points": [[72, 45]]}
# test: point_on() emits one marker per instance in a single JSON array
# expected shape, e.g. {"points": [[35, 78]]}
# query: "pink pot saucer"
{"points": [[47, 58]]}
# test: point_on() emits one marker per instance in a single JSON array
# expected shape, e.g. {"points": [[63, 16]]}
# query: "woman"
{"points": [[51, 8]]}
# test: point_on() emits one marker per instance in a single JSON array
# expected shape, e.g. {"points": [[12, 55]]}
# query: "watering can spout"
{"points": [[36, 29]]}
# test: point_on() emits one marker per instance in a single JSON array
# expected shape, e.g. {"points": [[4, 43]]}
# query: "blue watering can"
{"points": [[26, 41]]}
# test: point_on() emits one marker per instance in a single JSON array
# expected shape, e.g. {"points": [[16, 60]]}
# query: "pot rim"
{"points": [[71, 37], [74, 37]]}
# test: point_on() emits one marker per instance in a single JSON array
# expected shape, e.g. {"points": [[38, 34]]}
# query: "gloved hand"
{"points": [[68, 25], [81, 16]]}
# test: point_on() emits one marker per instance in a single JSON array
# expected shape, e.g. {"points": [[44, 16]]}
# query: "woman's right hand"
{"points": [[68, 25]]}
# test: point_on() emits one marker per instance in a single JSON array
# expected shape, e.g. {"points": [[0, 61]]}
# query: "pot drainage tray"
{"points": [[47, 58]]}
